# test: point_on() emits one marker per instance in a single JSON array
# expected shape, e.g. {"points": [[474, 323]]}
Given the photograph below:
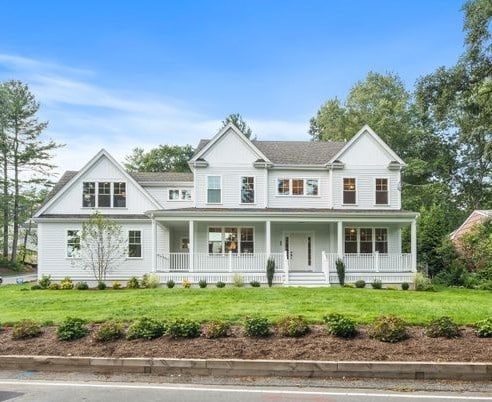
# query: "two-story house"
{"points": [[305, 204]]}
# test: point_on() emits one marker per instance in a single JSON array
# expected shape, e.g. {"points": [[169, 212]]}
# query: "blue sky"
{"points": [[124, 74]]}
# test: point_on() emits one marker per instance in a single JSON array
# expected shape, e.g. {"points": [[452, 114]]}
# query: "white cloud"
{"points": [[87, 117]]}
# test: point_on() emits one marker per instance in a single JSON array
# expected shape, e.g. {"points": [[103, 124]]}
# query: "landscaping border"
{"points": [[254, 368]]}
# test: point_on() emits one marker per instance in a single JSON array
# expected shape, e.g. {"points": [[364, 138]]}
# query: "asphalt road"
{"points": [[10, 280], [58, 391]]}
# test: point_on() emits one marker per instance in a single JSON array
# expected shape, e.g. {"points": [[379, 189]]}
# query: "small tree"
{"points": [[270, 271], [102, 246], [340, 265]]}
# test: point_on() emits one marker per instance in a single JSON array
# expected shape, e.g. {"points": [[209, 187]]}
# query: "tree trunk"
{"points": [[15, 237], [5, 205]]}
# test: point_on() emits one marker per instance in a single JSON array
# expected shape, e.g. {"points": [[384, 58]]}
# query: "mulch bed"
{"points": [[317, 345]]}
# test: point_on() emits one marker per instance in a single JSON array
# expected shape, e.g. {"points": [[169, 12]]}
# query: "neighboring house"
{"points": [[302, 203], [477, 216]]}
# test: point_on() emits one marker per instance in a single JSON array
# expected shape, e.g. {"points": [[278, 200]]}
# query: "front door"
{"points": [[300, 251]]}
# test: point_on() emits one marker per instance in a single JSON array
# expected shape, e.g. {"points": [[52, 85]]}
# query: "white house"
{"points": [[302, 203]]}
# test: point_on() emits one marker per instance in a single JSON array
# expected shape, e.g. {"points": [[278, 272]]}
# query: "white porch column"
{"points": [[413, 245], [191, 244], [154, 245], [268, 239], [340, 239]]}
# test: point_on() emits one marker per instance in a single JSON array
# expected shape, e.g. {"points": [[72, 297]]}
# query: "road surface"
{"points": [[10, 280]]}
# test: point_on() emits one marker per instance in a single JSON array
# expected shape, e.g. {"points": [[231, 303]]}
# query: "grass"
{"points": [[232, 304]]}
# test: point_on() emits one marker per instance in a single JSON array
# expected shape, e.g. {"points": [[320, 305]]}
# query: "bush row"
{"points": [[385, 328]]}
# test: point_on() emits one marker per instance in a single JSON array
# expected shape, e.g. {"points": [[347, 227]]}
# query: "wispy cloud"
{"points": [[87, 116]]}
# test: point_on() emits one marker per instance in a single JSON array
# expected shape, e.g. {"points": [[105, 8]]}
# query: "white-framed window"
{"points": [[382, 191], [134, 244], [73, 244], [119, 195], [349, 191], [297, 187], [351, 241], [103, 194], [366, 240], [176, 194], [214, 189], [89, 194], [247, 190], [381, 237], [237, 240]]}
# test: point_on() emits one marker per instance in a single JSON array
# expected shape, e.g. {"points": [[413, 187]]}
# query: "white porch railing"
{"points": [[371, 262]]}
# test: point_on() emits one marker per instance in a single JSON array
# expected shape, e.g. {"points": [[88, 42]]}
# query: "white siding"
{"points": [[161, 194]]}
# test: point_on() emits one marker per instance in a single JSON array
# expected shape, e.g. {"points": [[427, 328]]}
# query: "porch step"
{"points": [[307, 279]]}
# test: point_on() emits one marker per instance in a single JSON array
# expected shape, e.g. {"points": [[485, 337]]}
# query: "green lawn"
{"points": [[465, 306]]}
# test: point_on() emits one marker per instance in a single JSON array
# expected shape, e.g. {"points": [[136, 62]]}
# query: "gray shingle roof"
{"points": [[294, 152], [142, 177]]}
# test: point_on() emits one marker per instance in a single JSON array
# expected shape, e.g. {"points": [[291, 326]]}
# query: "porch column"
{"points": [[340, 239], [413, 245], [154, 245], [268, 239], [191, 244]]}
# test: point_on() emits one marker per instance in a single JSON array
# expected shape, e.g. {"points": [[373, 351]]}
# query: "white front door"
{"points": [[300, 251]]}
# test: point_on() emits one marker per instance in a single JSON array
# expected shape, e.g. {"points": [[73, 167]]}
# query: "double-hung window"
{"points": [[349, 191], [134, 244], [214, 190], [73, 244], [89, 194], [104, 194], [283, 187], [119, 195], [350, 240], [175, 194], [382, 192], [366, 240], [230, 239], [298, 187], [247, 190], [381, 236]]}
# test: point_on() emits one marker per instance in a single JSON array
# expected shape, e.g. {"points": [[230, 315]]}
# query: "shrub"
{"points": [[255, 284], [145, 328], [150, 281], [256, 326], [340, 266], [405, 286], [388, 329], [186, 284], [484, 328], [109, 331], [293, 326], [215, 329], [360, 284], [349, 285], [36, 287], [26, 329], [71, 329], [183, 328], [170, 283], [377, 284], [443, 327], [54, 286], [270, 271], [340, 326], [116, 285], [101, 285], [422, 283], [455, 275], [45, 281], [220, 284], [133, 283], [238, 280], [66, 283], [202, 283], [81, 286]]}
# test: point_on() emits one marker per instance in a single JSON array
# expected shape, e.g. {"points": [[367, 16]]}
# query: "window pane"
{"points": [[297, 187], [89, 195], [381, 240], [366, 240], [134, 243], [312, 187], [283, 187], [73, 244], [247, 240], [214, 191], [185, 195], [215, 240], [119, 197], [349, 191], [247, 190], [350, 240], [104, 195], [213, 196], [381, 191], [173, 195], [230, 240], [214, 182]]}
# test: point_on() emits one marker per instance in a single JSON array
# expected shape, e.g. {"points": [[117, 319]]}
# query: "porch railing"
{"points": [[375, 262]]}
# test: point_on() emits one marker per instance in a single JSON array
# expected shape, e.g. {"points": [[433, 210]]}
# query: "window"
{"points": [[89, 194], [349, 191], [230, 239], [283, 186], [382, 191], [134, 244], [309, 250], [350, 240], [214, 193], [104, 195], [119, 195], [247, 190], [300, 187], [297, 187], [185, 195], [175, 194], [184, 244], [73, 244], [366, 241], [381, 236], [312, 186]]}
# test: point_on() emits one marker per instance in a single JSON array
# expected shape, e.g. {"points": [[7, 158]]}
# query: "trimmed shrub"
{"points": [[183, 328], [238, 280], [54, 286], [270, 271], [186, 284], [109, 331], [81, 286], [442, 327], [170, 283], [150, 281], [340, 326], [101, 285], [422, 283], [145, 328], [389, 328], [256, 327], [484, 328], [45, 281], [340, 266], [360, 284], [66, 283], [215, 329], [293, 326], [26, 329], [36, 287], [255, 284], [202, 283], [220, 284], [405, 286], [133, 283], [71, 329], [116, 285], [377, 284]]}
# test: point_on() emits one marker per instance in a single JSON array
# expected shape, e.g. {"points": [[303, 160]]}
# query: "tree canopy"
{"points": [[238, 121], [164, 158]]}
